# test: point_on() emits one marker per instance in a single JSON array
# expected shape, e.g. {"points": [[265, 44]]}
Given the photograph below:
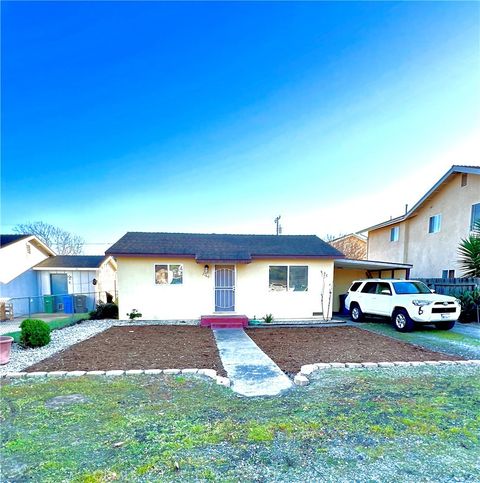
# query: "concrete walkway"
{"points": [[251, 371]]}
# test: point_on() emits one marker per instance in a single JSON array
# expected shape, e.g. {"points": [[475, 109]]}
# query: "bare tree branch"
{"points": [[60, 241]]}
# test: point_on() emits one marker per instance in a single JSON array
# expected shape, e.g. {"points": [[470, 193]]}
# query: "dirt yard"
{"points": [[142, 347], [291, 348]]}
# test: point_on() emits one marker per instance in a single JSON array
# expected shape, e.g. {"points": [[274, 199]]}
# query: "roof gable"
{"points": [[8, 239], [453, 170], [222, 247]]}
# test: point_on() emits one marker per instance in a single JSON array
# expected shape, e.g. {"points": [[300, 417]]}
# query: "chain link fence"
{"points": [[52, 306]]}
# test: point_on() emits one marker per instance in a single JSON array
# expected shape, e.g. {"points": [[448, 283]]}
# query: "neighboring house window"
{"points": [[448, 273], [394, 233], [283, 278], [168, 274], [434, 224], [475, 215], [464, 179]]}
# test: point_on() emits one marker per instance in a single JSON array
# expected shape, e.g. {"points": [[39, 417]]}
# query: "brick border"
{"points": [[209, 373], [301, 378]]}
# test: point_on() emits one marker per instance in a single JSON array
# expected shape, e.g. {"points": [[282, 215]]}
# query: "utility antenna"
{"points": [[277, 223]]}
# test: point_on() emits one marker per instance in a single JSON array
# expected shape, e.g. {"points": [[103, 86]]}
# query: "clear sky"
{"points": [[216, 117]]}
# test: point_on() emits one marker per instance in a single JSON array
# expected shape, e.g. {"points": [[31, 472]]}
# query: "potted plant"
{"points": [[5, 348], [254, 321]]}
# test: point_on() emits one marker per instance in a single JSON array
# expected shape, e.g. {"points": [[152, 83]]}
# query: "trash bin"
{"points": [[68, 304], [49, 304], [343, 309], [81, 304]]}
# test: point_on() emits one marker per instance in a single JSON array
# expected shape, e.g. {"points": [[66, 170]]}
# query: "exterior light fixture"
{"points": [[206, 271]]}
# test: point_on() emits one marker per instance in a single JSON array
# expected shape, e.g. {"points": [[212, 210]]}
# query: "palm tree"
{"points": [[469, 250]]}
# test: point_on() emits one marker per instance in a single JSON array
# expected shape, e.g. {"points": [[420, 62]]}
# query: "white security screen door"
{"points": [[224, 288]]}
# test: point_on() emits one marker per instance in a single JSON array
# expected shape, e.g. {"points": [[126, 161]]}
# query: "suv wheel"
{"points": [[356, 313], [402, 321], [447, 325]]}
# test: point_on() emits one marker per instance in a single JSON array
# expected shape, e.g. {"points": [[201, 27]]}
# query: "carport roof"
{"points": [[370, 264]]}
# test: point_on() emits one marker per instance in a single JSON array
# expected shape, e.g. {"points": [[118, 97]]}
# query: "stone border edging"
{"points": [[211, 373], [301, 378]]}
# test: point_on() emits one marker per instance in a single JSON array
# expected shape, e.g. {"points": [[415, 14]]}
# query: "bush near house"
{"points": [[34, 333], [470, 301], [105, 311]]}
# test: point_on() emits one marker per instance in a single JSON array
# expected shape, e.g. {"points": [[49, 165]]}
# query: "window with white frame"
{"points": [[475, 215], [394, 233], [168, 274], [434, 224], [282, 278]]}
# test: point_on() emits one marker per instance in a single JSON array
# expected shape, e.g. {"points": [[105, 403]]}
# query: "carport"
{"points": [[346, 271]]}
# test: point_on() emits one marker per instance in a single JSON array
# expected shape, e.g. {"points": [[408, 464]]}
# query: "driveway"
{"points": [[463, 340]]}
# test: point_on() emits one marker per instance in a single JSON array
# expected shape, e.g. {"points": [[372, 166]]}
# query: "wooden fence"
{"points": [[451, 286]]}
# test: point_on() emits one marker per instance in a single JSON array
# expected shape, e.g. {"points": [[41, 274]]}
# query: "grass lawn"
{"points": [[399, 424]]}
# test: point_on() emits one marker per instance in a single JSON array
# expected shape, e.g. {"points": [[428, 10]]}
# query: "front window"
{"points": [[283, 278], [434, 224], [406, 288], [395, 233], [168, 274], [475, 216]]}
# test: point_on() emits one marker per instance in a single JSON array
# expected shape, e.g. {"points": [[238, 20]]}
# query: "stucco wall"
{"points": [[381, 249], [430, 253], [343, 279], [195, 297]]}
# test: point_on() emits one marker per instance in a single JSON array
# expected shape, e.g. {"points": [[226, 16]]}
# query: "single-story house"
{"points": [[30, 270], [93, 276], [186, 276]]}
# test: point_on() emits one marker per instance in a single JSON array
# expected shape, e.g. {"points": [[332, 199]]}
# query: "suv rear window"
{"points": [[354, 286], [370, 287]]}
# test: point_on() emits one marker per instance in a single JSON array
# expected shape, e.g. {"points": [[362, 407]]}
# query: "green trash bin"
{"points": [[49, 304]]}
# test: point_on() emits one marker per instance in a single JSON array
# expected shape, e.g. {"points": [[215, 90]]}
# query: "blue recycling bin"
{"points": [[68, 304], [343, 309]]}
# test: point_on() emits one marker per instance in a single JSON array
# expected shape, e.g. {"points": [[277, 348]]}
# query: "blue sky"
{"points": [[216, 117]]}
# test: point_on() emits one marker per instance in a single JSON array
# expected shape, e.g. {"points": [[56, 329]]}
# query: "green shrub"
{"points": [[268, 319], [105, 311], [134, 314], [34, 333]]}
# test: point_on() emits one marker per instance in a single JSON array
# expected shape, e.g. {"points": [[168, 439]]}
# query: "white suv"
{"points": [[406, 302]]}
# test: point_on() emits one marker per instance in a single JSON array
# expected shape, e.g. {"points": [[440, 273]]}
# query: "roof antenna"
{"points": [[279, 227], [406, 208]]}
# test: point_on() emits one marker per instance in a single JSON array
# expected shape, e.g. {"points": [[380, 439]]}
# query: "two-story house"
{"points": [[427, 236]]}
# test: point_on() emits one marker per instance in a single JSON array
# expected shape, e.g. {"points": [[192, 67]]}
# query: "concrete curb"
{"points": [[301, 379], [209, 373]]}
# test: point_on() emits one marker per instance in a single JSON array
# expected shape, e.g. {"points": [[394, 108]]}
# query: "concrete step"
{"points": [[224, 321]]}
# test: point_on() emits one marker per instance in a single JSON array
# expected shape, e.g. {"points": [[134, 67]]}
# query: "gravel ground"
{"points": [[61, 339]]}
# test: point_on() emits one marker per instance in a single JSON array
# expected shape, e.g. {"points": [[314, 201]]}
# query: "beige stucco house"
{"points": [[172, 276], [186, 276], [427, 236]]}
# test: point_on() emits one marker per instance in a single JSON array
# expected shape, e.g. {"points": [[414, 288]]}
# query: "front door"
{"points": [[58, 286], [224, 288]]}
